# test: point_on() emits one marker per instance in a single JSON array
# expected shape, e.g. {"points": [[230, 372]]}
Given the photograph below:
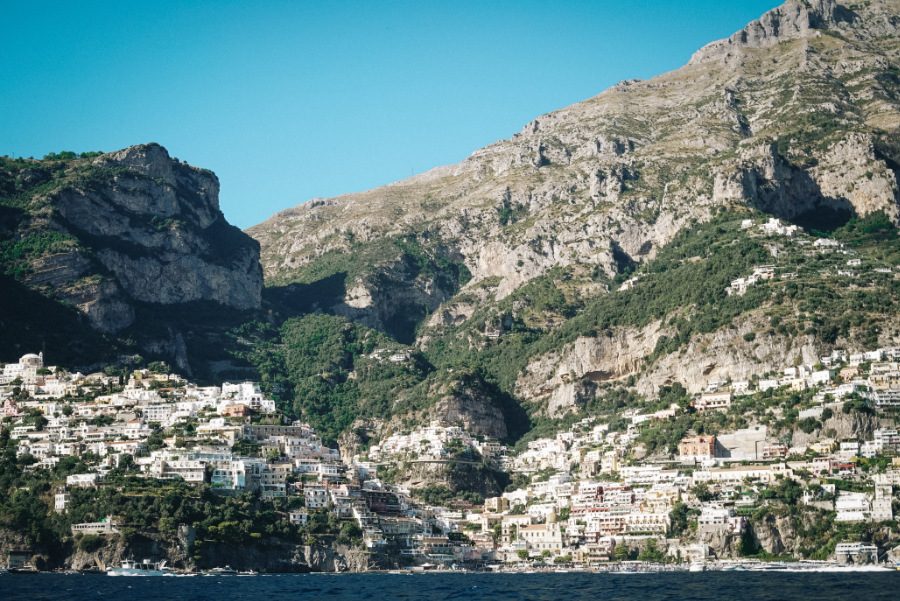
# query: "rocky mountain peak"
{"points": [[182, 189], [792, 20], [134, 225], [639, 160], [149, 159]]}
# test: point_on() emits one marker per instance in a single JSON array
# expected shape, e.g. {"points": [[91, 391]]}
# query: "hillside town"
{"points": [[582, 498], [785, 238]]}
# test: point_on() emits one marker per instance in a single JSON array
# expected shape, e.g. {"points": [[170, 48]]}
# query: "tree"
{"points": [[621, 553], [68, 465], [496, 532], [158, 367], [349, 534], [748, 544], [678, 519], [102, 420], [126, 462], [155, 440], [35, 418], [89, 543], [652, 553], [702, 492]]}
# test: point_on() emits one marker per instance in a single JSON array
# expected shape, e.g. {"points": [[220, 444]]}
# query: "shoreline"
{"points": [[613, 569]]}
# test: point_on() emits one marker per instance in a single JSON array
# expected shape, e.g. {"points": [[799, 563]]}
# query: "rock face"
{"points": [[393, 299], [141, 228], [456, 477], [792, 20], [272, 555], [630, 167], [566, 377], [795, 115]]}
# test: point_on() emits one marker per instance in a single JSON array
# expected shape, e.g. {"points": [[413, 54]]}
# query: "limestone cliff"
{"points": [[182, 551], [110, 233]]}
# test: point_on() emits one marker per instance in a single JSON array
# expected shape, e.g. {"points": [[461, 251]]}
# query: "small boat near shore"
{"points": [[130, 567], [224, 571]]}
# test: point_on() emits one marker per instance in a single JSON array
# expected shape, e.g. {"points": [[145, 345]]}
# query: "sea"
{"points": [[679, 586]]}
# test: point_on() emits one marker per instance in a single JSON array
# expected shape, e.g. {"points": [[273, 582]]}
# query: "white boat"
{"points": [[226, 571], [130, 567]]}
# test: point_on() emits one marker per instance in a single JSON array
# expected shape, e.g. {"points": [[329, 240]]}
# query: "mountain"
{"points": [[116, 236], [592, 261], [510, 273], [787, 115]]}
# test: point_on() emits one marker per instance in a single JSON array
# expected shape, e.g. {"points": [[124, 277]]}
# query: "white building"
{"points": [[856, 553], [25, 369], [739, 286], [249, 394], [82, 480], [104, 526], [299, 517], [316, 497], [886, 440], [775, 226], [713, 400], [852, 507]]}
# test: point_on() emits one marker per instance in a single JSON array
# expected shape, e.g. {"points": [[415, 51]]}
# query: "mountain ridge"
{"points": [[795, 118], [605, 147]]}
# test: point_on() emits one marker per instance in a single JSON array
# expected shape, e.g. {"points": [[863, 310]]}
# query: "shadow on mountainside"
{"points": [[31, 322]]}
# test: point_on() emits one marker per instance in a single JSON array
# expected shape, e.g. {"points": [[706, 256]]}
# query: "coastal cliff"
{"points": [[113, 234]]}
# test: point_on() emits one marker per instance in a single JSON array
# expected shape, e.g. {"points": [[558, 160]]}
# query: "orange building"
{"points": [[697, 448]]}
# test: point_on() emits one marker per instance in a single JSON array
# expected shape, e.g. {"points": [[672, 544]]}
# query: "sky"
{"points": [[292, 100]]}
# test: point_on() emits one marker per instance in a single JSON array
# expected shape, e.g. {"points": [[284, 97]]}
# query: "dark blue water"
{"points": [[721, 586]]}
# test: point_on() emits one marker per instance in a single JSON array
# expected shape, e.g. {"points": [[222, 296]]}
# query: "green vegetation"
{"points": [[318, 365], [16, 254], [686, 283], [321, 367], [143, 506], [507, 213], [652, 553], [308, 364]]}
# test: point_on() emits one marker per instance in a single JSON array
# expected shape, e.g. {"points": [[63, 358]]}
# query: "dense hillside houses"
{"points": [[437, 442], [592, 493]]}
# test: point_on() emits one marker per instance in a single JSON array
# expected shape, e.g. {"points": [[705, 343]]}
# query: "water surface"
{"points": [[712, 586]]}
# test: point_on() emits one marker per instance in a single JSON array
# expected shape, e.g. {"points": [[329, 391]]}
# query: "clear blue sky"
{"points": [[286, 101]]}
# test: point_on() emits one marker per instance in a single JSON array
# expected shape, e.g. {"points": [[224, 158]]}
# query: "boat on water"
{"points": [[248, 573], [130, 567], [23, 569], [226, 571]]}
